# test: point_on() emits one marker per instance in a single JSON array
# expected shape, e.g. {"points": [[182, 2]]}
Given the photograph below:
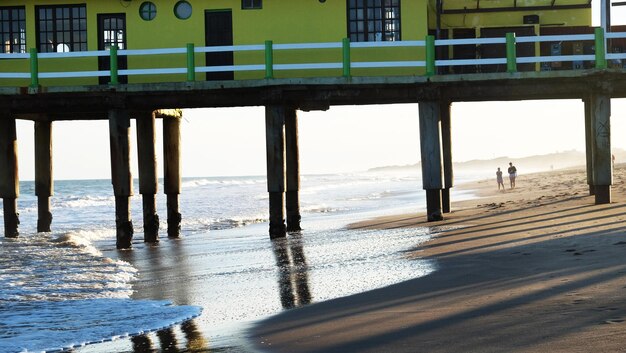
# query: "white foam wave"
{"points": [[204, 224], [83, 201], [48, 326], [225, 182]]}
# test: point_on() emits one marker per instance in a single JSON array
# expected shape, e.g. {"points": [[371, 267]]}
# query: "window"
{"points": [[61, 28], [12, 30], [251, 4], [373, 20], [183, 10], [147, 11]]}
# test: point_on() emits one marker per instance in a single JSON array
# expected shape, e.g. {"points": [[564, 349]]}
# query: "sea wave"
{"points": [[210, 181], [59, 292], [206, 224]]}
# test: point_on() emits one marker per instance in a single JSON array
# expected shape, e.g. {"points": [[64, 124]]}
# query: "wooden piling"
{"points": [[9, 181], [589, 145], [430, 145], [44, 185], [119, 130], [172, 167], [148, 181], [275, 147], [446, 146], [292, 197], [602, 157]]}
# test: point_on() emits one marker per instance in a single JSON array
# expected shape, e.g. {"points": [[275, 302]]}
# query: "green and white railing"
{"points": [[427, 60]]}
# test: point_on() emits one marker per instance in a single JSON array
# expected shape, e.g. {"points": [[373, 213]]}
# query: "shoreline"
{"points": [[538, 268]]}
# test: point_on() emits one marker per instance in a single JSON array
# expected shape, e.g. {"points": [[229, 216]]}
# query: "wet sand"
{"points": [[535, 269]]}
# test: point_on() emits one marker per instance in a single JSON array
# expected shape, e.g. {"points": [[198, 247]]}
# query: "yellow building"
{"points": [[73, 28]]}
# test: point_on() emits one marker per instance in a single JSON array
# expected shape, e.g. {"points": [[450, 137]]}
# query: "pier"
{"points": [[282, 98]]}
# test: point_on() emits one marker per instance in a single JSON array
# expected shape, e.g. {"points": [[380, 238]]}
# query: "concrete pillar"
{"points": [[430, 145], [589, 145], [172, 167], [44, 185], [119, 130], [292, 197], [602, 161], [446, 144], [275, 147], [9, 181], [148, 182]]}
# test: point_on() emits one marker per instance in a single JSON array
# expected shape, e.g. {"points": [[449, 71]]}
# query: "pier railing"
{"points": [[425, 57]]}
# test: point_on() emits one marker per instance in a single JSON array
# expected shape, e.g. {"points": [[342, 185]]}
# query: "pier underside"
{"points": [[282, 98]]}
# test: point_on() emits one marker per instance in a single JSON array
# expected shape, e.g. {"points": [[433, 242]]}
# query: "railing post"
{"points": [[600, 48], [269, 59], [191, 62], [511, 53], [114, 77], [430, 56], [34, 68], [345, 45]]}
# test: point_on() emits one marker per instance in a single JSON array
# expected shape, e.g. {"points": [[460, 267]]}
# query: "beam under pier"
{"points": [[430, 146], [172, 167], [602, 157], [9, 181], [119, 130], [292, 197], [446, 144], [148, 182], [44, 185], [275, 147]]}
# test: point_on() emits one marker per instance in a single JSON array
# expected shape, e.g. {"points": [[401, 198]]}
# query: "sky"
{"points": [[231, 141]]}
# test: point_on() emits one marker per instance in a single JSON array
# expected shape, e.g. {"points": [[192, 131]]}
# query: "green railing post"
{"points": [[600, 48], [34, 68], [269, 59], [511, 53], [430, 55], [114, 68], [191, 62], [345, 46]]}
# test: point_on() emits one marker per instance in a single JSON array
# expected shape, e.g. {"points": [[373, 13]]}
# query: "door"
{"points": [[112, 31], [219, 31]]}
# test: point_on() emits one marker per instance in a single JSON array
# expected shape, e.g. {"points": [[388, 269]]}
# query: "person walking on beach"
{"points": [[499, 179], [512, 174]]}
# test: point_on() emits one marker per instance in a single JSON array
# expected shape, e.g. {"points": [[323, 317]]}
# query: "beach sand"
{"points": [[535, 269]]}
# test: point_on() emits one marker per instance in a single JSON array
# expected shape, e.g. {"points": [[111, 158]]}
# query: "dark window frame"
{"points": [[251, 4], [147, 11], [13, 34], [388, 28], [50, 36]]}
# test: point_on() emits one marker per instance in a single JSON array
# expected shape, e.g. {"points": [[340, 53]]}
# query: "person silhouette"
{"points": [[512, 174], [499, 179]]}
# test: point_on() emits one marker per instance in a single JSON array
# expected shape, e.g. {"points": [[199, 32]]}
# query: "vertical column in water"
{"points": [[602, 157], [589, 145], [148, 181], [446, 144], [172, 167], [119, 130], [292, 196], [44, 185], [430, 145], [275, 146], [9, 181]]}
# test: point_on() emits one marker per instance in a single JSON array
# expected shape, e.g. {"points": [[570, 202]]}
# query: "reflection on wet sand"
{"points": [[195, 341], [293, 280]]}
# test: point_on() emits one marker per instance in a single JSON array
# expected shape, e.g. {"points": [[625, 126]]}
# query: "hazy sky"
{"points": [[348, 138]]}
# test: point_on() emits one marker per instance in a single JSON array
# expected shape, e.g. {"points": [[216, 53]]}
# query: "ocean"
{"points": [[71, 288]]}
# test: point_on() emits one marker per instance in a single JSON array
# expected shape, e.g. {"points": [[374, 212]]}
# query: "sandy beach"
{"points": [[535, 269]]}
